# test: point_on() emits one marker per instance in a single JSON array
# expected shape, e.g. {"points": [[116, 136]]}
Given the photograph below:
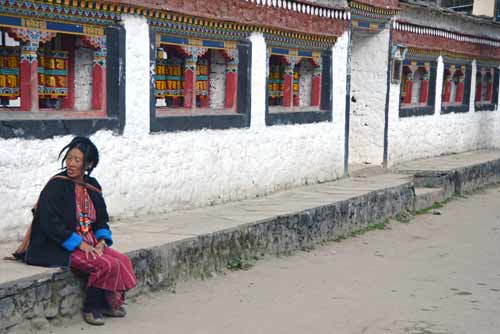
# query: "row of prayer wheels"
{"points": [[169, 84], [51, 63], [11, 61], [277, 72], [201, 69], [8, 80], [52, 80], [276, 86], [202, 85], [169, 69]]}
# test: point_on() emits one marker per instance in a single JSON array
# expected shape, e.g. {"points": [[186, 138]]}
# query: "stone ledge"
{"points": [[36, 301]]}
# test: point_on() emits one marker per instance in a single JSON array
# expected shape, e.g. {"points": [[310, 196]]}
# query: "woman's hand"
{"points": [[88, 249], [101, 245]]}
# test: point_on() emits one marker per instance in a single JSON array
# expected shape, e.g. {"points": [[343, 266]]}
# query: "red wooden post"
{"points": [[288, 85], [408, 84], [99, 80], [190, 82], [204, 101], [316, 87], [424, 91], [447, 91], [231, 83], [68, 44], [489, 91], [409, 87], [447, 86], [459, 98], [29, 77]]}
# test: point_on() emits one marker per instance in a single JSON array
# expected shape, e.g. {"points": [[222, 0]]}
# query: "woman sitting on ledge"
{"points": [[70, 228]]}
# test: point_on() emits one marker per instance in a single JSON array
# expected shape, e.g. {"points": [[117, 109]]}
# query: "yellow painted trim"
{"points": [[29, 23]]}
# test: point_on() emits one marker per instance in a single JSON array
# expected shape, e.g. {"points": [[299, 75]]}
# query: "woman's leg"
{"points": [[112, 272], [95, 300]]}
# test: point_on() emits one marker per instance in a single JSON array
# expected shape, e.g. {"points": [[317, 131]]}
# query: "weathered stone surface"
{"points": [[8, 313], [7, 307], [39, 324], [69, 289], [69, 305], [42, 292], [25, 301], [51, 309]]}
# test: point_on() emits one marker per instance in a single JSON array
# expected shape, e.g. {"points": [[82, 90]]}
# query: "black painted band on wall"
{"points": [[485, 107], [36, 126]]}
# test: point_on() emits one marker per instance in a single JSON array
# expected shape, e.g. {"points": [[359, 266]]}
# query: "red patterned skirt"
{"points": [[112, 272]]}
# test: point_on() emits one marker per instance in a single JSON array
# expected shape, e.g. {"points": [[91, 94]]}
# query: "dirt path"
{"points": [[440, 274]]}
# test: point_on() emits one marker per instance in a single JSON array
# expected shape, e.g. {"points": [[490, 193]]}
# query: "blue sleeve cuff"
{"points": [[104, 233], [72, 242]]}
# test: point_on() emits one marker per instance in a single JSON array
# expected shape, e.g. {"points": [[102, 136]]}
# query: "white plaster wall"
{"points": [[143, 173], [259, 74], [83, 78], [368, 94], [217, 80], [432, 135], [305, 83], [137, 77]]}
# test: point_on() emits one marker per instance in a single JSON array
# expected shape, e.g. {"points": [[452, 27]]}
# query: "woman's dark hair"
{"points": [[87, 147]]}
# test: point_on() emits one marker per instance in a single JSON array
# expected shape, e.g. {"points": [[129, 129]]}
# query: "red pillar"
{"points": [[99, 80], [489, 92], [204, 101], [231, 83], [68, 44], [189, 82], [316, 91], [424, 91], [409, 86], [296, 100], [29, 77], [447, 91], [288, 86], [459, 98]]}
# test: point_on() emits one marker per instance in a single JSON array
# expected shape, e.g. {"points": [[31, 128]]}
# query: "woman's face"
{"points": [[75, 164]]}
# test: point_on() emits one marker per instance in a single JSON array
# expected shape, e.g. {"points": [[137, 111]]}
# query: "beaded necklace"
{"points": [[84, 220]]}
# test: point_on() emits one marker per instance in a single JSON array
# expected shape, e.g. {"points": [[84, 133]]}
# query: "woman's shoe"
{"points": [[118, 313], [93, 318]]}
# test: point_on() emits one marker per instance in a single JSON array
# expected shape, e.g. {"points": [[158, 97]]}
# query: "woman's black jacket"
{"points": [[55, 222]]}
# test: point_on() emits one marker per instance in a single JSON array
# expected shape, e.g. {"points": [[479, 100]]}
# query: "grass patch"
{"points": [[438, 205], [340, 238], [403, 217], [369, 227], [239, 264]]}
